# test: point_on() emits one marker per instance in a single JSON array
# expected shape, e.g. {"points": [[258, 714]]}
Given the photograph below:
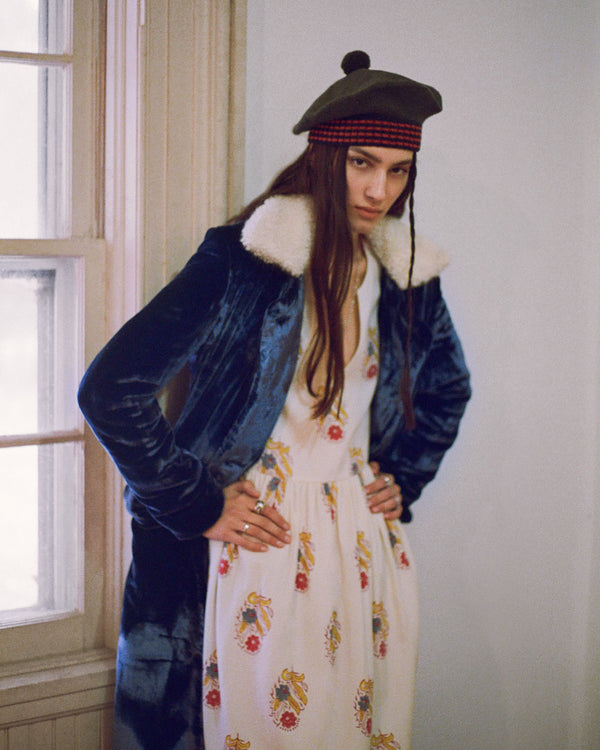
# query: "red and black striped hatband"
{"points": [[367, 132]]}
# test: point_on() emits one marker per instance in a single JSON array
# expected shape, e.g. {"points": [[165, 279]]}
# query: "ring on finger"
{"points": [[258, 508], [387, 479], [246, 527]]}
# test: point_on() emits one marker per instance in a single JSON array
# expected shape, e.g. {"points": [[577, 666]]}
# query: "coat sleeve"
{"points": [[118, 397], [441, 391]]}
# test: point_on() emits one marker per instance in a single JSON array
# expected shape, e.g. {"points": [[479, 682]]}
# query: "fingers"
{"points": [[243, 487], [248, 522], [384, 496], [268, 527]]}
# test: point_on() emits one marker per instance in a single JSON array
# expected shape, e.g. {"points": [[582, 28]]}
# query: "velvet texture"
{"points": [[235, 321], [440, 388]]}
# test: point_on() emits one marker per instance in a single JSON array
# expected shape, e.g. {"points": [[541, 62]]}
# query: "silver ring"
{"points": [[246, 527], [258, 508], [387, 479]]}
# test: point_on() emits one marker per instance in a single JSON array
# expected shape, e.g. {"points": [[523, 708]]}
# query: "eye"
{"points": [[358, 162], [400, 170]]}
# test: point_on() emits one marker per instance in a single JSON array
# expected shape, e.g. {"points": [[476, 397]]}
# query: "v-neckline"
{"points": [[360, 293]]}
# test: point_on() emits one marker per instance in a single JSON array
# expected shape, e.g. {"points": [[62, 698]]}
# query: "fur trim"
{"points": [[280, 231], [390, 242]]}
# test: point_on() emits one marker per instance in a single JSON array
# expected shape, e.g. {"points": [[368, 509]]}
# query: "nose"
{"points": [[377, 186]]}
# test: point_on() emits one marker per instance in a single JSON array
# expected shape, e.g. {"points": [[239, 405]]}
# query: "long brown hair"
{"points": [[320, 171]]}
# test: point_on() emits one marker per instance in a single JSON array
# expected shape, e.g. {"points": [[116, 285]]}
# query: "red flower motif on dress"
{"points": [[400, 556], [213, 699], [371, 360], [288, 720], [381, 630], [331, 426], [253, 622], [362, 555], [363, 707], [253, 643], [229, 556], [289, 697], [210, 683], [335, 432], [306, 561]]}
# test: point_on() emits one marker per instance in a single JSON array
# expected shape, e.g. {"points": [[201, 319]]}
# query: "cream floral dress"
{"points": [[314, 645]]}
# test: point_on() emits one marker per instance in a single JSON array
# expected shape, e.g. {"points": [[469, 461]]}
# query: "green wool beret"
{"points": [[374, 94]]}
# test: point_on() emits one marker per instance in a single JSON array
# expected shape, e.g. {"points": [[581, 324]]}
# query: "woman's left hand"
{"points": [[383, 494]]}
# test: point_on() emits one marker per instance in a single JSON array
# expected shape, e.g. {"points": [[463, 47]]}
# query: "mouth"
{"points": [[368, 213]]}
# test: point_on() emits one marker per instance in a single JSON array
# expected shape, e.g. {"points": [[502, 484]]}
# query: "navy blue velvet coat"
{"points": [[233, 315]]}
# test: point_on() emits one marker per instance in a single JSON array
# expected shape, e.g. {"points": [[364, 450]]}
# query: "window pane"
{"points": [[35, 159], [18, 528], [40, 531], [40, 349], [18, 354], [34, 25]]}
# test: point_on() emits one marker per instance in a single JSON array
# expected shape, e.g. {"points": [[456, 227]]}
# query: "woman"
{"points": [[327, 382]]}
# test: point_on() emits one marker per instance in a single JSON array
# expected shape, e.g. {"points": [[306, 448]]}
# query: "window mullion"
{"points": [[35, 58], [41, 438]]}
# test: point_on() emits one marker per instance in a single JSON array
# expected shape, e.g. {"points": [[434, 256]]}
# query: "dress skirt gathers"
{"points": [[315, 645]]}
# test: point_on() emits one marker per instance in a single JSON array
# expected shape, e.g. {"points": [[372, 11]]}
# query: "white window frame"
{"points": [[52, 645]]}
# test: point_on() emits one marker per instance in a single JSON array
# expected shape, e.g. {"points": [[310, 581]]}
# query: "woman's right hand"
{"points": [[241, 524]]}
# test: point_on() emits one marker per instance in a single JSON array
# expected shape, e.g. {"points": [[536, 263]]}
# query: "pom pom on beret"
{"points": [[355, 60]]}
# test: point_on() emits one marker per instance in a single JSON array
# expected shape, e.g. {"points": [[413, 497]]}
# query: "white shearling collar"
{"points": [[280, 231]]}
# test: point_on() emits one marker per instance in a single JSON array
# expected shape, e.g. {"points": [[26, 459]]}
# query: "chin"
{"points": [[364, 228]]}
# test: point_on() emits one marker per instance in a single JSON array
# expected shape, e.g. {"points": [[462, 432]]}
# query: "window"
{"points": [[51, 272], [41, 457]]}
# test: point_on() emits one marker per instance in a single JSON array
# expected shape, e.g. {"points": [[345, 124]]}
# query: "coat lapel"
{"points": [[280, 231]]}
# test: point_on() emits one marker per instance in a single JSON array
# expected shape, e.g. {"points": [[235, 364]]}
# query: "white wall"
{"points": [[506, 537]]}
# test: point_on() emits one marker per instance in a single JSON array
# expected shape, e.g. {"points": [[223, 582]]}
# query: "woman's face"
{"points": [[375, 178]]}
